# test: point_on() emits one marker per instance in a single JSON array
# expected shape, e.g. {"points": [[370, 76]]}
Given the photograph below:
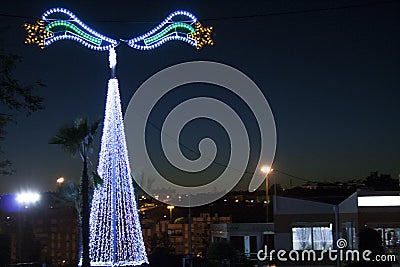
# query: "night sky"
{"points": [[330, 71]]}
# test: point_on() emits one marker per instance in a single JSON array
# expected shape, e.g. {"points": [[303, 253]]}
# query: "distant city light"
{"points": [[27, 198]]}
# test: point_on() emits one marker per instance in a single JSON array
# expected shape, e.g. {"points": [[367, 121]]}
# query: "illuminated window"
{"points": [[378, 201], [312, 237]]}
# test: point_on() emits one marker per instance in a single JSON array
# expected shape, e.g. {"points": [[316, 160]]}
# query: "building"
{"points": [[248, 238], [41, 233], [379, 210], [302, 224], [176, 235], [308, 224]]}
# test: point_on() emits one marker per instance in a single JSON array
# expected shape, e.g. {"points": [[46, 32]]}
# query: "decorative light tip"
{"points": [[202, 35], [37, 33], [112, 58]]}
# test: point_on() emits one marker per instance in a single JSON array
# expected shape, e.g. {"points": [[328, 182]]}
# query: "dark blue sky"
{"points": [[331, 78]]}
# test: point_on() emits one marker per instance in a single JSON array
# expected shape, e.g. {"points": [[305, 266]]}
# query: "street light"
{"points": [[266, 170], [60, 180], [170, 207]]}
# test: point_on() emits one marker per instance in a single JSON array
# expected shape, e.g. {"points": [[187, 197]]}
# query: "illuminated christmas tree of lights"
{"points": [[115, 232], [114, 220]]}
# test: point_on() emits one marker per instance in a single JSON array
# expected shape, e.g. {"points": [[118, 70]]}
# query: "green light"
{"points": [[164, 32], [71, 27]]}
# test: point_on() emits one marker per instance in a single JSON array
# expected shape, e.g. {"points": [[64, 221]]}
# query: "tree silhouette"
{"points": [[78, 139], [14, 97]]}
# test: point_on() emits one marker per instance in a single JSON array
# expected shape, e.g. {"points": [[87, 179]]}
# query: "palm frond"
{"points": [[69, 139], [76, 138]]}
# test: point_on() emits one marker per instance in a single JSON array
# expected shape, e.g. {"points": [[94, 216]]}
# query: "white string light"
{"points": [[190, 19], [115, 172], [106, 44], [112, 58], [61, 24]]}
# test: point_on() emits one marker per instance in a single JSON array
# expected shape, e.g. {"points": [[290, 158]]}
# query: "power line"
{"points": [[292, 176], [269, 14], [160, 130], [304, 11]]}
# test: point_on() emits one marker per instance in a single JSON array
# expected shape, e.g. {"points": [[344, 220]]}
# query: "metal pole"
{"points": [[274, 194], [19, 241], [336, 211], [266, 194], [113, 216], [190, 236], [113, 182]]}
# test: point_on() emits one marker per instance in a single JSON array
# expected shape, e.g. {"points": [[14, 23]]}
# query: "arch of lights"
{"points": [[58, 24]]}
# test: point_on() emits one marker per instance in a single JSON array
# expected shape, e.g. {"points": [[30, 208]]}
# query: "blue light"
{"points": [[49, 16], [115, 232], [184, 17], [62, 24]]}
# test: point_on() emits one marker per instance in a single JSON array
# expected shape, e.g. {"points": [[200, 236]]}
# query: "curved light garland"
{"points": [[61, 24], [177, 26]]}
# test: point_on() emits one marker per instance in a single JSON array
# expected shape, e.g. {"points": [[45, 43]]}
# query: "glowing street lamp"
{"points": [[60, 180], [170, 207], [266, 170]]}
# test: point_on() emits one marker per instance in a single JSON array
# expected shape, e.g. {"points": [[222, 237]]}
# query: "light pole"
{"points": [[266, 170]]}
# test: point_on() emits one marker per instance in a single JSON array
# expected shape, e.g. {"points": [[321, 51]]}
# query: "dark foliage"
{"points": [[14, 97]]}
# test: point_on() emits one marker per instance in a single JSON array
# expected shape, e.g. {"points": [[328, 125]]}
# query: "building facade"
{"points": [[41, 233], [303, 224], [176, 234]]}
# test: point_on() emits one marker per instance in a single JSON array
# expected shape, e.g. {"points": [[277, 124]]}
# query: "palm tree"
{"points": [[78, 139]]}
